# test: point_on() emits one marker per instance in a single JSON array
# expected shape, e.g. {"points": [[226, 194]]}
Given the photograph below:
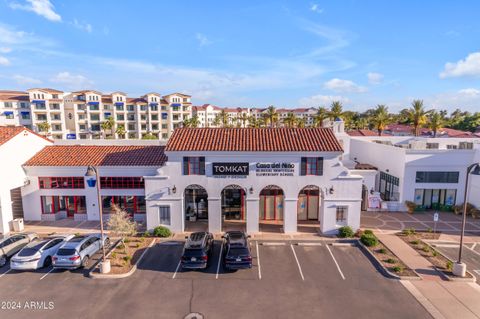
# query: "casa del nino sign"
{"points": [[275, 169]]}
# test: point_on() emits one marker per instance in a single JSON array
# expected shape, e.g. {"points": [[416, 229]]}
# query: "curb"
{"points": [[127, 274], [384, 271]]}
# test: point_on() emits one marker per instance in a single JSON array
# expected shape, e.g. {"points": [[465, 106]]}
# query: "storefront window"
{"points": [[61, 182], [70, 204], [434, 198], [131, 204], [311, 166], [437, 177], [389, 187], [122, 182], [193, 165]]}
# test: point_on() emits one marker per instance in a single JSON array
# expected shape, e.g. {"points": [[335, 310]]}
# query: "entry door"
{"points": [[313, 207], [71, 206], [269, 207], [302, 207], [279, 207]]}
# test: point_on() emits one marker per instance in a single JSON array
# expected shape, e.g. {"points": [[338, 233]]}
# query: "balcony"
{"points": [[55, 106]]}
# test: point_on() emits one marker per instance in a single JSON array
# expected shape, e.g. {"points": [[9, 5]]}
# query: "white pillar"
{"points": [[290, 215], [91, 198], [252, 215], [214, 215]]}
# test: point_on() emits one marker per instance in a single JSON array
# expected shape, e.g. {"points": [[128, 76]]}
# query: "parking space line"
{"points": [[258, 261], [219, 259], [272, 244], [308, 244], [336, 263], [176, 270], [5, 273], [47, 273], [298, 263]]}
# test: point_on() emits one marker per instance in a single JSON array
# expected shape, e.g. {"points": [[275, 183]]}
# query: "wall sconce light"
{"points": [[387, 170], [331, 190], [174, 189], [372, 191], [250, 190]]}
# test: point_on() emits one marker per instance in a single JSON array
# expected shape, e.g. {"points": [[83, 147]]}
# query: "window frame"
{"points": [[343, 211], [164, 220]]}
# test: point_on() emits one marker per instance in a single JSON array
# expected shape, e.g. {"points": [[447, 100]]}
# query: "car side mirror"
{"points": [[186, 237]]}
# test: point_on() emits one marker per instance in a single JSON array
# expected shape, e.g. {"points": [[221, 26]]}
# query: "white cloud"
{"points": [[4, 61], [469, 92], [202, 39], [87, 27], [72, 81], [465, 99], [5, 50], [470, 66], [339, 85], [315, 8], [43, 8], [375, 78], [25, 80], [322, 100]]}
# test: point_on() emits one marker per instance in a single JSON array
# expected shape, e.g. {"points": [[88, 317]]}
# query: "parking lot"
{"points": [[287, 280]]}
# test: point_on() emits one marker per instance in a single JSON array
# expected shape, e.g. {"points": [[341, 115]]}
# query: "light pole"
{"points": [[92, 171], [460, 269]]}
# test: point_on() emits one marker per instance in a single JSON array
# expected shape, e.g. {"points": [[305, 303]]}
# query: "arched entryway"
{"points": [[196, 208], [308, 203], [233, 208], [271, 208]]}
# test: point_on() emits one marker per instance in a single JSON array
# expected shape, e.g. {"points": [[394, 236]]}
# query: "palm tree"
{"points": [[271, 115], [322, 114], [121, 131], [381, 118], [223, 118], [243, 117], [290, 120], [44, 127], [336, 110], [108, 125], [435, 122], [216, 121], [417, 115], [191, 122], [300, 122]]}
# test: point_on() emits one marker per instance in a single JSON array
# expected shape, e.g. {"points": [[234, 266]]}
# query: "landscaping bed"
{"points": [[386, 257], [416, 241], [124, 256]]}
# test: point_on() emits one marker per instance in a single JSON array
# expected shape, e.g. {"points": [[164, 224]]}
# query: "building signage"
{"points": [[230, 169], [275, 169]]}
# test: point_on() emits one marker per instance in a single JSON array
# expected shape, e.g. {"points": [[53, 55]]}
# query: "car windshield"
{"points": [[66, 252], [193, 253], [37, 245], [27, 252], [238, 251]]}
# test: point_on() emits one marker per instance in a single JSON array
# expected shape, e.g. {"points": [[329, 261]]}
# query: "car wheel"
{"points": [[3, 260], [85, 262], [47, 262]]}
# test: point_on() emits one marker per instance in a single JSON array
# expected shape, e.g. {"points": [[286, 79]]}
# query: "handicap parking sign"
{"points": [[435, 217]]}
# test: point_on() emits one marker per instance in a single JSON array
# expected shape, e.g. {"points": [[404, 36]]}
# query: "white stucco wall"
{"points": [[13, 154]]}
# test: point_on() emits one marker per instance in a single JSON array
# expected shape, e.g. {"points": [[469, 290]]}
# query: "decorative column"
{"points": [[252, 215], [214, 215], [290, 215]]}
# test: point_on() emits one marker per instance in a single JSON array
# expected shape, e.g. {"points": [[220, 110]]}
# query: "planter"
{"points": [[105, 267]]}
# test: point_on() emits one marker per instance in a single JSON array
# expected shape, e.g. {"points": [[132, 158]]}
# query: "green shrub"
{"points": [[410, 206], [434, 253], [409, 231], [390, 261], [345, 232], [369, 240], [161, 231], [146, 234], [397, 269], [415, 242], [449, 265], [137, 245], [382, 251], [426, 248], [121, 246], [114, 255], [127, 258], [368, 232], [126, 240], [430, 230]]}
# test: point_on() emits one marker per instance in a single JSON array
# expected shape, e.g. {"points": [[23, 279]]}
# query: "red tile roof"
{"points": [[254, 140], [366, 133], [82, 155], [13, 96], [9, 132]]}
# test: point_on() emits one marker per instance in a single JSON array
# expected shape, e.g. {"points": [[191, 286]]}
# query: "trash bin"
{"points": [[18, 224]]}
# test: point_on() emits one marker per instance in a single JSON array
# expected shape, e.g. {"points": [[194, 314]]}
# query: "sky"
{"points": [[249, 53]]}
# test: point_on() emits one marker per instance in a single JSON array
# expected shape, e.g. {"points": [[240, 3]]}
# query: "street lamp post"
{"points": [[92, 171], [460, 268]]}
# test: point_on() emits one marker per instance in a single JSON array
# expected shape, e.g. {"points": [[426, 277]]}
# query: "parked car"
{"points": [[76, 252], [38, 253], [237, 251], [197, 250], [11, 245]]}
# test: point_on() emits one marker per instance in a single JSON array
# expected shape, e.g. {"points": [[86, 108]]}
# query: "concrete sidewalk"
{"points": [[443, 299]]}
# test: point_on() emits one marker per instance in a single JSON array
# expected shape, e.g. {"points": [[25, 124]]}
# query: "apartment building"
{"points": [[15, 109], [149, 114]]}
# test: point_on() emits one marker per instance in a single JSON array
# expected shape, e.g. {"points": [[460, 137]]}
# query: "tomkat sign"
{"points": [[230, 169]]}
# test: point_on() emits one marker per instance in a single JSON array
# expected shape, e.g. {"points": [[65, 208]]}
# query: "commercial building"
{"points": [[17, 145], [216, 178]]}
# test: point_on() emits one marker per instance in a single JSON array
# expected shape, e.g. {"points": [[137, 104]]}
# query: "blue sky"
{"points": [[249, 53]]}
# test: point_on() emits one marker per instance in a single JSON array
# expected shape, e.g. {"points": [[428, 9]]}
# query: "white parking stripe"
{"points": [[219, 259], [258, 261], [298, 264], [176, 270], [338, 267], [47, 273], [5, 273]]}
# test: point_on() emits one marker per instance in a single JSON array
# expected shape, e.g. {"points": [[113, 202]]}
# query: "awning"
{"points": [[176, 104], [164, 116], [107, 114], [153, 104], [118, 103], [25, 113], [93, 103], [7, 113], [38, 101]]}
